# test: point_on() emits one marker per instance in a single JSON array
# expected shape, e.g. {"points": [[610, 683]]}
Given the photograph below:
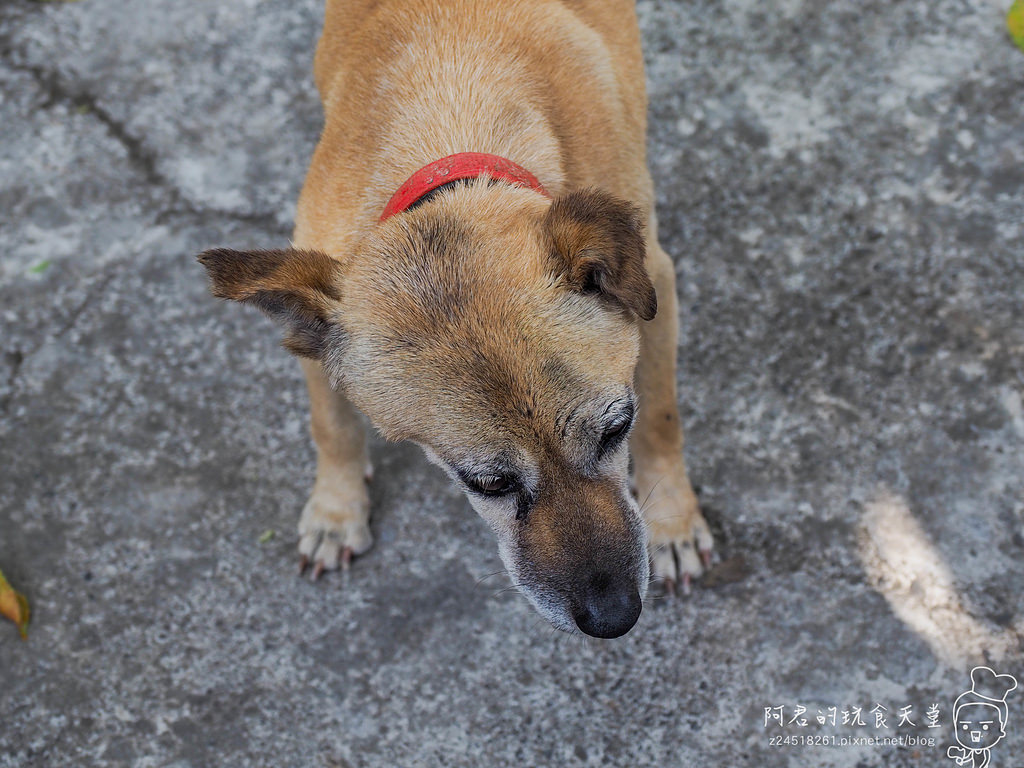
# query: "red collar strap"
{"points": [[464, 165]]}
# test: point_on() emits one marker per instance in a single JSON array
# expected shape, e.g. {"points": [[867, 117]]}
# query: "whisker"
{"points": [[645, 513], [653, 598], [491, 575], [556, 632], [666, 517], [536, 622], [503, 590], [648, 496], [482, 579]]}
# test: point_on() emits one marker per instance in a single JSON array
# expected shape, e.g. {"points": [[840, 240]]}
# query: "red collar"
{"points": [[464, 165]]}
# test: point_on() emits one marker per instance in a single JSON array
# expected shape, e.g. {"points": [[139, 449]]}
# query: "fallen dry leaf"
{"points": [[14, 606], [726, 572]]}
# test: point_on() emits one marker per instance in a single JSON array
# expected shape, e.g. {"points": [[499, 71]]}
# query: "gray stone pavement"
{"points": [[842, 185]]}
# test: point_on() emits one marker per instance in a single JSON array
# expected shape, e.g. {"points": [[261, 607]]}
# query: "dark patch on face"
{"points": [[524, 503], [427, 278], [561, 374], [578, 529]]}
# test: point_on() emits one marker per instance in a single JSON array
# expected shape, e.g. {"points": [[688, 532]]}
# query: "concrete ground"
{"points": [[842, 185]]}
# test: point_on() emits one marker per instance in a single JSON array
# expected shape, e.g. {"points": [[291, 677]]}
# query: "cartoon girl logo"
{"points": [[979, 717]]}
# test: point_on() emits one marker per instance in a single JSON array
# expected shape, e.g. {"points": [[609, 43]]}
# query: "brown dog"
{"points": [[497, 312]]}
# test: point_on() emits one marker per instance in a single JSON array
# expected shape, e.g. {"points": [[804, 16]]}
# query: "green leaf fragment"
{"points": [[1015, 23]]}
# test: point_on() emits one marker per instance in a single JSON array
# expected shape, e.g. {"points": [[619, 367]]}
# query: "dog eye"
{"points": [[615, 431], [491, 485]]}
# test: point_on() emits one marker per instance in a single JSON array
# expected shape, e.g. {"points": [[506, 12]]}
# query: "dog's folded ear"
{"points": [[598, 246], [297, 288]]}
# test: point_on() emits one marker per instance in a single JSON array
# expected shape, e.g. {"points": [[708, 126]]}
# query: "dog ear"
{"points": [[297, 288], [598, 246]]}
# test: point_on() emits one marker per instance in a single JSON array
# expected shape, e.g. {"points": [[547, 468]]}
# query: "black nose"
{"points": [[608, 607]]}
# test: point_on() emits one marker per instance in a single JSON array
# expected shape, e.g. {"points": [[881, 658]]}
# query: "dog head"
{"points": [[499, 330]]}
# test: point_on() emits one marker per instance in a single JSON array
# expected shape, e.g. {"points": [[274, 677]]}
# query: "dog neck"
{"points": [[454, 168]]}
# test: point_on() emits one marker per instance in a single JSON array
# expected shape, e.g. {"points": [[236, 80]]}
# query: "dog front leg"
{"points": [[335, 521], [679, 539]]}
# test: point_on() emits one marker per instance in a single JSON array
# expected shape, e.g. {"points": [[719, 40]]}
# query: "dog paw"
{"points": [[334, 527], [679, 540]]}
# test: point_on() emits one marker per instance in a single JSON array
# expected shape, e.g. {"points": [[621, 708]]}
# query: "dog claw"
{"points": [[346, 558], [705, 558], [303, 564], [318, 570]]}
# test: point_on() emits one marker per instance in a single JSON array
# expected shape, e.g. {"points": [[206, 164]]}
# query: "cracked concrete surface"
{"points": [[842, 187]]}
